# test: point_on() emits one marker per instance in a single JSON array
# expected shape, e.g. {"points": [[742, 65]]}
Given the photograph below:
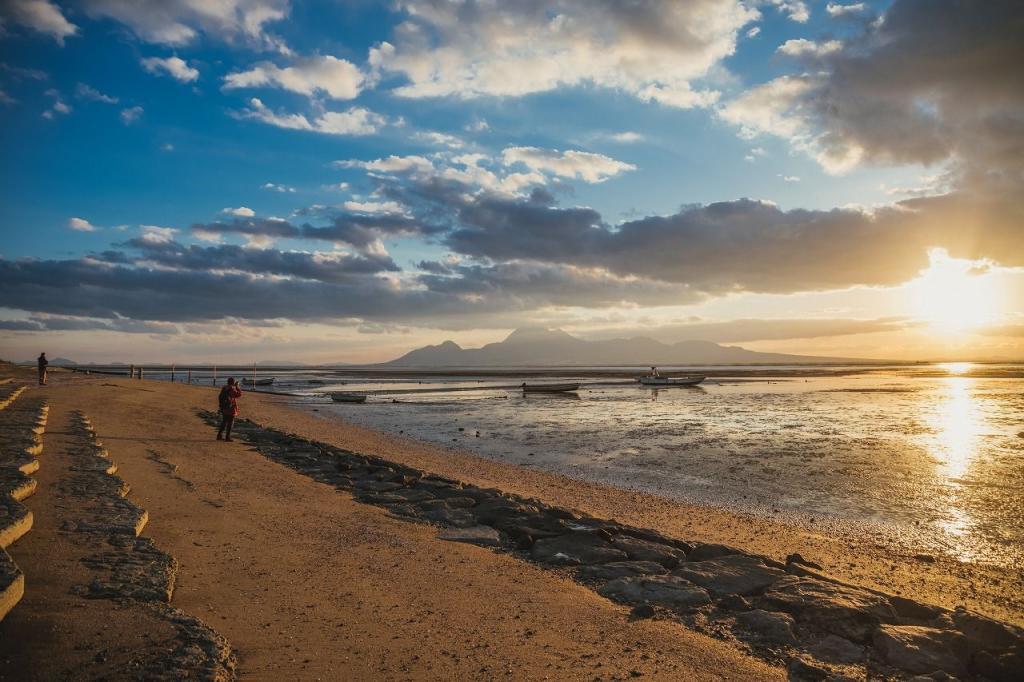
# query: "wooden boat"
{"points": [[348, 397], [549, 388], [662, 382], [258, 382]]}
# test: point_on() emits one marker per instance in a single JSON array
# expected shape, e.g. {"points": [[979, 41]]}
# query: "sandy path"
{"points": [[307, 584]]}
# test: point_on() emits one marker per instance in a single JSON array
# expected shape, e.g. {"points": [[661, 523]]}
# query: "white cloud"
{"points": [[131, 115], [654, 50], [58, 107], [241, 211], [175, 67], [81, 225], [478, 126], [753, 32], [587, 166], [796, 10], [156, 234], [88, 92], [6, 99], [374, 207], [755, 154], [355, 121], [836, 10], [339, 78], [392, 164], [177, 22], [801, 47], [626, 137], [274, 187], [440, 139], [167, 147], [789, 178], [39, 15]]}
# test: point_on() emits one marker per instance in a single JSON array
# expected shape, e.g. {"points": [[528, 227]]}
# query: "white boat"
{"points": [[549, 388], [348, 397], [258, 382], [671, 381]]}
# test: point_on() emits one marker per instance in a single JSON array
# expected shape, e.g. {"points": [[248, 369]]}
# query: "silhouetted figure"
{"points": [[228, 399], [43, 362]]}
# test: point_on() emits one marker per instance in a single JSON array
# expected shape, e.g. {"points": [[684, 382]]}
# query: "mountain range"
{"points": [[553, 347]]}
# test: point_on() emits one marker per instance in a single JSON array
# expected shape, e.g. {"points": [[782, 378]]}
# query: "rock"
{"points": [[999, 667], [914, 610], [834, 649], [661, 590], [740, 574], [768, 626], [621, 569], [734, 602], [459, 518], [376, 486], [643, 550], [484, 536], [797, 559], [576, 548], [849, 612], [801, 670], [710, 551], [985, 633], [642, 611], [919, 649]]}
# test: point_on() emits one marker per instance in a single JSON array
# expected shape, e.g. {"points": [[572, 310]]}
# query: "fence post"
{"points": [[172, 374], [215, 375], [140, 374], [189, 377], [131, 371]]}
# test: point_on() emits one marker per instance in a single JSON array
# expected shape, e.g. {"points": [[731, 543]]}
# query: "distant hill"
{"points": [[54, 362], [554, 347]]}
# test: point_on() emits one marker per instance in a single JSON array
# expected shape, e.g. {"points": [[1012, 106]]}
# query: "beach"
{"points": [[306, 582]]}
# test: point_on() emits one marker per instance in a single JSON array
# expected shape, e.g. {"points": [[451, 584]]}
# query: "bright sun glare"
{"points": [[955, 294]]}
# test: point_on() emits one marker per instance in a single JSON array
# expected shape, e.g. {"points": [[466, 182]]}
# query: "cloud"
{"points": [[789, 178], [178, 22], [887, 98], [796, 10], [338, 78], [440, 139], [131, 115], [354, 121], [626, 137], [373, 207], [587, 166], [274, 187], [39, 15], [58, 107], [241, 211], [155, 234], [801, 47], [81, 225], [6, 99], [752, 33], [392, 164], [175, 67], [746, 330], [653, 49], [87, 92], [835, 9]]}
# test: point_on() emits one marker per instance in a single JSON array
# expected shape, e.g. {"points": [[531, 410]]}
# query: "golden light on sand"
{"points": [[955, 295], [959, 425]]}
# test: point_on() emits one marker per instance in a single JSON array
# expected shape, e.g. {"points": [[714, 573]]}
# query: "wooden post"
{"points": [[189, 377], [140, 374], [254, 376], [172, 374], [215, 375], [131, 371]]}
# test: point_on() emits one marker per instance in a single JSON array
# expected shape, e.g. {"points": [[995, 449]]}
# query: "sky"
{"points": [[249, 180]]}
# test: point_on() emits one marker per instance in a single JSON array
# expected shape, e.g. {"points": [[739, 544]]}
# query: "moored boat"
{"points": [[655, 379], [258, 382], [348, 397], [549, 388]]}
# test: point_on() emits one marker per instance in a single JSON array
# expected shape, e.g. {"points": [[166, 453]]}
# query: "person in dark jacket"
{"points": [[228, 400], [43, 362]]}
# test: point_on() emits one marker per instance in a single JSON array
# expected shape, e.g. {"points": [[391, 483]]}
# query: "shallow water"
{"points": [[931, 461]]}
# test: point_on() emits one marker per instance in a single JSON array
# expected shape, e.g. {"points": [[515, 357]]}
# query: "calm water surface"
{"points": [[931, 460]]}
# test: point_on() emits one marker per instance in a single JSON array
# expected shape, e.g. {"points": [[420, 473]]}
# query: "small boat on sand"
{"points": [[258, 382], [348, 397], [549, 388], [655, 379]]}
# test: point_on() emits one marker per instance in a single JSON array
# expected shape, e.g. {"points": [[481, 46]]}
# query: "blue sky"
{"points": [[122, 117]]}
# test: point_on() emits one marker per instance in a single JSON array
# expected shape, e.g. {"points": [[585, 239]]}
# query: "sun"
{"points": [[954, 294]]}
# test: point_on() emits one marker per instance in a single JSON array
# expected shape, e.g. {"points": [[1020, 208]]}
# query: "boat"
{"points": [[549, 388], [661, 382], [258, 382], [655, 379], [348, 397]]}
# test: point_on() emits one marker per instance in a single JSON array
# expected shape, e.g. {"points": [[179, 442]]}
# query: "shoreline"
{"points": [[222, 510]]}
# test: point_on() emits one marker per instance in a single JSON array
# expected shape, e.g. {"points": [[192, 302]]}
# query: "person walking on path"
{"points": [[229, 396], [43, 362]]}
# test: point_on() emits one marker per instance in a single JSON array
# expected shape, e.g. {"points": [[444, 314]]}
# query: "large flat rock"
{"points": [[922, 650], [741, 574], [838, 609], [573, 549], [662, 590]]}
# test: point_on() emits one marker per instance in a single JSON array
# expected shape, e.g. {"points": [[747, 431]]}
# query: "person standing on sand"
{"points": [[229, 396], [43, 362]]}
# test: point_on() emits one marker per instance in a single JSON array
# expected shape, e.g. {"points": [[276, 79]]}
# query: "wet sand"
{"points": [[305, 583]]}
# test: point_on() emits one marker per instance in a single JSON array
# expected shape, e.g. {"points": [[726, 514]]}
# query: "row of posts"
{"points": [[132, 371]]}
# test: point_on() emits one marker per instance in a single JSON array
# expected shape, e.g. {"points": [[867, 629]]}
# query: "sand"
{"points": [[307, 584]]}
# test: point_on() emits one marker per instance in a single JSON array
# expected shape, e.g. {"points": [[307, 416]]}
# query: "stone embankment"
{"points": [[131, 569], [22, 422], [790, 613]]}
